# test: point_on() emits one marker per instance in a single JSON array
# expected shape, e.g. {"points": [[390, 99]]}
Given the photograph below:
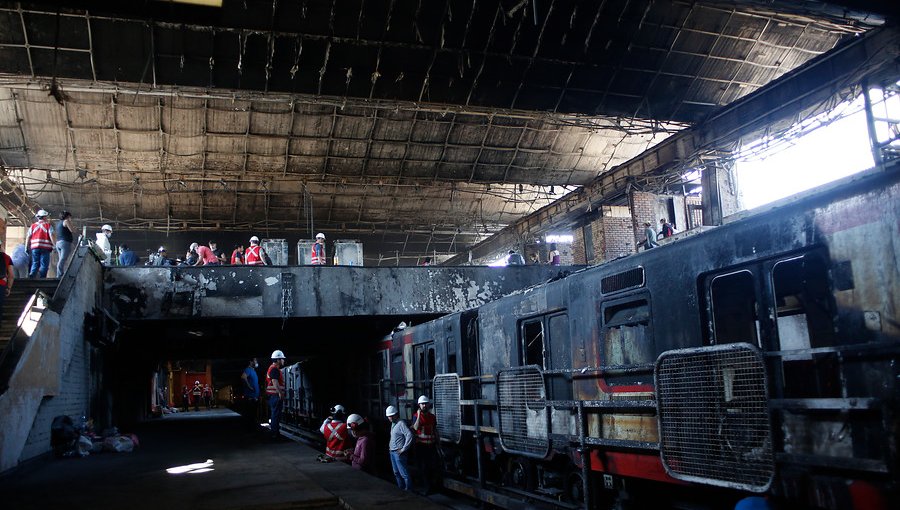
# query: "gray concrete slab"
{"points": [[200, 460]]}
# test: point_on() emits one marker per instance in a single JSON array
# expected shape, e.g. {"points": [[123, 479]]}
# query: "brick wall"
{"points": [[644, 208], [611, 238]]}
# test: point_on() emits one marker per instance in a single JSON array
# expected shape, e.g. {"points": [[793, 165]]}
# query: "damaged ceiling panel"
{"points": [[431, 124]]}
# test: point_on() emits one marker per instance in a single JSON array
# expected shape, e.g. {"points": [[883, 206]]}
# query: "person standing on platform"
{"points": [[127, 256], [534, 259], [237, 256], [401, 441], [185, 398], [361, 456], [514, 258], [40, 242], [65, 241], [649, 237], [21, 260], [196, 395], [251, 393], [336, 436], [553, 258], [275, 392], [104, 245], [7, 277], [318, 251], [425, 428], [207, 396], [253, 256]]}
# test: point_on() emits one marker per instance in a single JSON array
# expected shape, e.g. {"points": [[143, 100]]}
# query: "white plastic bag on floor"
{"points": [[118, 444], [84, 446]]}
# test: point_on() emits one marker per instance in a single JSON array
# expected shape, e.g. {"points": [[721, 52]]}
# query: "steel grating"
{"points": [[713, 416], [524, 424], [446, 407]]}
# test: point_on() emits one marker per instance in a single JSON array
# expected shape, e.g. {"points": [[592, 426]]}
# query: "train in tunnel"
{"points": [[761, 357]]}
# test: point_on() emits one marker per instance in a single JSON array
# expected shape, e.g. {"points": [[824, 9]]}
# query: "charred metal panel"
{"points": [[242, 291]]}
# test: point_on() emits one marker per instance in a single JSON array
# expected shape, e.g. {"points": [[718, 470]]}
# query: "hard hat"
{"points": [[353, 420], [320, 235], [196, 382], [193, 246], [161, 249], [338, 409], [276, 354], [424, 400], [106, 227], [390, 411], [42, 214], [254, 239]]}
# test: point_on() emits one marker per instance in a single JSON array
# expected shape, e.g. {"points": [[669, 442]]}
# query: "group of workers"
{"points": [[349, 438]]}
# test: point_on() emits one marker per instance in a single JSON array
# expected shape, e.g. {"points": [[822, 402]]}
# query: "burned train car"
{"points": [[759, 357]]}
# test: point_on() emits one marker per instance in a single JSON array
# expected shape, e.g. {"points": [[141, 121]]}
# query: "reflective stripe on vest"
{"points": [[252, 256], [40, 236], [270, 383], [425, 432], [316, 260], [335, 436]]}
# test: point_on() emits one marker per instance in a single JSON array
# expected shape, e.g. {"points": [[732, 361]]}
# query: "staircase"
{"points": [[23, 289]]}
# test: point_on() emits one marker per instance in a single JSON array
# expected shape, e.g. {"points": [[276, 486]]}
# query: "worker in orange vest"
{"points": [[337, 437], [40, 241], [425, 428], [275, 391]]}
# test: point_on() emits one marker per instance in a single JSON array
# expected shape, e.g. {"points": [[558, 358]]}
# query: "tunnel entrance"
{"points": [[145, 369]]}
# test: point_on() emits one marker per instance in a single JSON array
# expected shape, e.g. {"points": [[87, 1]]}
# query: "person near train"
{"points": [[337, 438], [196, 395], [401, 441], [425, 428], [275, 392], [361, 455]]}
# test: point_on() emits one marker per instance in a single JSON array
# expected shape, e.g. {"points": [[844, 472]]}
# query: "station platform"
{"points": [[202, 460]]}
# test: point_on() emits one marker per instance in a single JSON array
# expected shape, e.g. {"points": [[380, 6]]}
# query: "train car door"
{"points": [[544, 341], [424, 364]]}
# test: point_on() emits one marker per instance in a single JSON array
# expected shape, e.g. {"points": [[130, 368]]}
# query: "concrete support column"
{"points": [[720, 195]]}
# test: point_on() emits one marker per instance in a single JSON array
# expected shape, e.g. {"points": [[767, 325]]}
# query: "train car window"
{"points": [[533, 343], [451, 356], [803, 303], [561, 356], [627, 338], [734, 308], [431, 364]]}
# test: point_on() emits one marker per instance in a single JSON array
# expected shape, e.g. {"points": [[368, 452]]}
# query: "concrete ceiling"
{"points": [[437, 123]]}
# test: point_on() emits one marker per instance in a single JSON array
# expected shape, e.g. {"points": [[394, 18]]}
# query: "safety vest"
{"points": [[336, 439], [252, 256], [40, 236], [197, 391], [427, 424], [270, 383], [316, 260]]}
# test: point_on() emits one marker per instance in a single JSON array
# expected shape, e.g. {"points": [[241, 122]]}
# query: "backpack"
{"points": [[668, 230]]}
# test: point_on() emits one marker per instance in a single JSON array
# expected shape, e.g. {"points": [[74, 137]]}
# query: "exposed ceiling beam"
{"points": [[875, 56]]}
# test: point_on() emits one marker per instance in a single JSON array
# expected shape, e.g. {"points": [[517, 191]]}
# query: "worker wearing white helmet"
{"points": [[40, 240], [275, 392], [425, 428], [361, 456], [337, 436], [318, 251], [103, 243], [253, 256], [399, 446]]}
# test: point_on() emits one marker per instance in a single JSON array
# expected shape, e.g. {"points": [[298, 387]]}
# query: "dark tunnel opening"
{"points": [[151, 360]]}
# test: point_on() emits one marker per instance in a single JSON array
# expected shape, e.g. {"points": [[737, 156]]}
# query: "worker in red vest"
{"points": [[337, 437], [40, 241], [425, 428], [275, 391], [253, 256], [317, 256]]}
